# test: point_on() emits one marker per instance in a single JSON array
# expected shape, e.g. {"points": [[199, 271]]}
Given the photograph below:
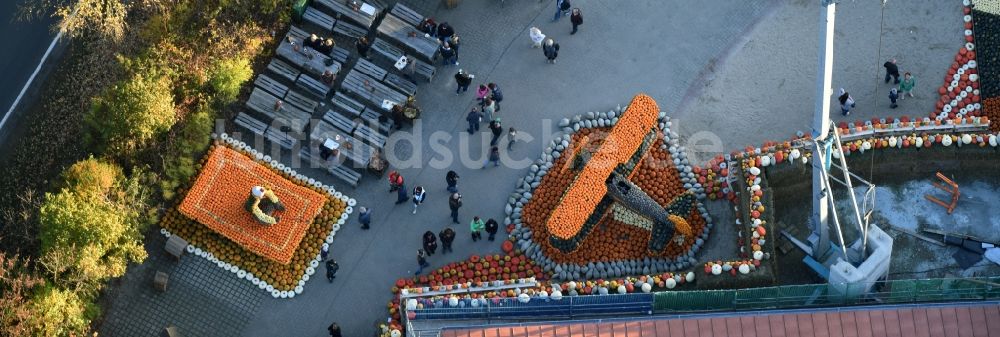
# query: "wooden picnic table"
{"points": [[351, 148], [405, 34], [370, 90], [316, 65], [287, 116], [341, 10]]}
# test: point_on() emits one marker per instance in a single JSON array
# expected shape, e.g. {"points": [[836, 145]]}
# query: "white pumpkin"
{"points": [[765, 161], [993, 140], [689, 277], [758, 255], [744, 269], [556, 295], [622, 290], [946, 141], [411, 304], [755, 171], [716, 269], [795, 154], [453, 301], [646, 288], [966, 139], [670, 283]]}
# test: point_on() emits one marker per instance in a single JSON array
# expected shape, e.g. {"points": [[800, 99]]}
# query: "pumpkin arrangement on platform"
{"points": [[278, 258]]}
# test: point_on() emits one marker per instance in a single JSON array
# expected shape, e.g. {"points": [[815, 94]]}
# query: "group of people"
{"points": [[900, 88], [549, 47], [447, 235]]}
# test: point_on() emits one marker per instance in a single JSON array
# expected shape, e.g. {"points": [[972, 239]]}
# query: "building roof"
{"points": [[966, 319]]}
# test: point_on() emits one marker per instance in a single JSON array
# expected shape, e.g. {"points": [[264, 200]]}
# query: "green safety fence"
{"points": [[818, 295]]}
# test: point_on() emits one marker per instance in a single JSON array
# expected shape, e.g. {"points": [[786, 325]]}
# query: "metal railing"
{"points": [[825, 295]]}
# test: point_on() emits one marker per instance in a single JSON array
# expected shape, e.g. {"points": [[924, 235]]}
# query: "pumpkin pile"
{"points": [[960, 93], [578, 202], [217, 196], [282, 279], [986, 29]]}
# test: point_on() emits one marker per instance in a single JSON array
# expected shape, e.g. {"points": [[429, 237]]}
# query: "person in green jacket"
{"points": [[906, 85], [476, 226]]}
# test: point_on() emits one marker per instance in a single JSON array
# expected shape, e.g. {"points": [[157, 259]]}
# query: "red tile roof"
{"points": [[961, 320]]}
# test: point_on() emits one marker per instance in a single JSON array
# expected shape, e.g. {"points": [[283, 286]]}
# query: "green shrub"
{"points": [[59, 312], [133, 111], [227, 76], [192, 141], [101, 229], [91, 176]]}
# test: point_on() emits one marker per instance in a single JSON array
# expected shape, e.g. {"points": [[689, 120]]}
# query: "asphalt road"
{"points": [[24, 43]]}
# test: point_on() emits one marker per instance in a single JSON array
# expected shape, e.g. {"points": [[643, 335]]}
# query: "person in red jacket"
{"points": [[395, 181]]}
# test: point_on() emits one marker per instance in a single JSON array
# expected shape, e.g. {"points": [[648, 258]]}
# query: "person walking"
{"points": [[447, 236], [536, 37], [447, 54], [891, 70], [551, 50], [497, 131], [489, 107], [473, 118], [561, 7], [496, 94], [454, 43], [906, 85], [331, 269], [401, 195], [363, 46], [334, 330], [893, 95], [444, 31], [846, 102], [463, 79], [511, 137], [430, 243], [476, 227], [395, 180], [491, 227], [365, 217], [481, 93], [421, 261], [576, 19], [418, 198], [452, 179], [494, 157], [454, 203]]}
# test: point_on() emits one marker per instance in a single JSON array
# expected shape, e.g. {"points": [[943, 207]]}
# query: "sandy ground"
{"points": [[765, 89]]}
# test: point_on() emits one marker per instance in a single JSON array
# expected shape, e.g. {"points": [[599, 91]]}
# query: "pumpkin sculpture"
{"points": [[262, 203]]}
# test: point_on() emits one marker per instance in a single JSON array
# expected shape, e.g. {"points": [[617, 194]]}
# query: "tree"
{"points": [[92, 176], [227, 76], [103, 18], [17, 283], [97, 232], [58, 312], [134, 110]]}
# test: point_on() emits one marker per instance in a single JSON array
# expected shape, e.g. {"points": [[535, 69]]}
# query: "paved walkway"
{"points": [[663, 48]]}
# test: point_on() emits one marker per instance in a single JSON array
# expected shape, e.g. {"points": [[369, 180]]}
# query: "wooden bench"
{"points": [[297, 33], [346, 174], [370, 69], [423, 69], [374, 118], [370, 136], [301, 101], [283, 70], [406, 14], [270, 85], [351, 148], [160, 281], [280, 137], [349, 30], [313, 86], [288, 118], [340, 54], [249, 123], [175, 246], [318, 18], [339, 121], [399, 83], [347, 105], [387, 51], [369, 90]]}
